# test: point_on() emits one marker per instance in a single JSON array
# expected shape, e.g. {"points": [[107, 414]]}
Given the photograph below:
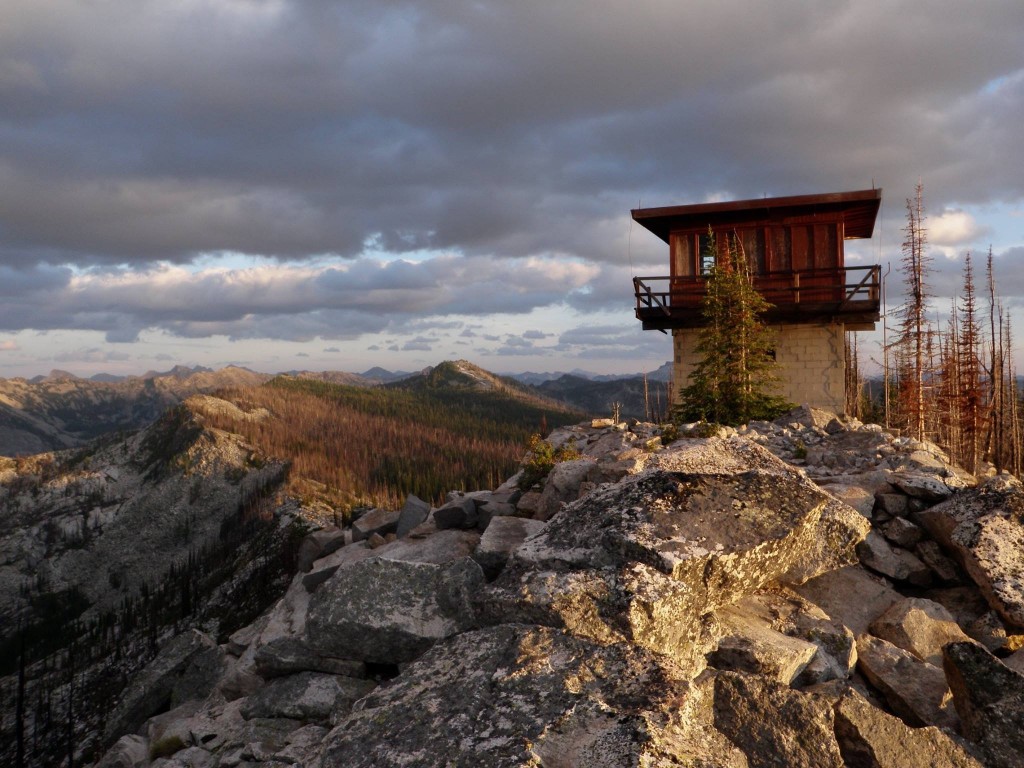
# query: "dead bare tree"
{"points": [[993, 440], [913, 322]]}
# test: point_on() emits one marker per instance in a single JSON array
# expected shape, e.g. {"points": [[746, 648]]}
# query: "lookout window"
{"points": [[706, 256]]}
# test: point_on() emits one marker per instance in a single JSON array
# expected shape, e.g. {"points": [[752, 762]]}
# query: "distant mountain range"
{"points": [[375, 375], [64, 411], [61, 410], [664, 373]]}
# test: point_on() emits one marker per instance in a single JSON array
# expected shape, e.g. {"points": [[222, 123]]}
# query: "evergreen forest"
{"points": [[358, 446]]}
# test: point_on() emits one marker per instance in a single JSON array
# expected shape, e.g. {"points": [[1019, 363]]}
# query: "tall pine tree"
{"points": [[731, 384], [969, 363]]}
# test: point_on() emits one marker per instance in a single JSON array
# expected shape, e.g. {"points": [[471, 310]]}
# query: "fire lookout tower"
{"points": [[795, 248]]}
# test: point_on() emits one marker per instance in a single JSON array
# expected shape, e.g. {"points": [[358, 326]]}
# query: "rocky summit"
{"points": [[809, 592]]}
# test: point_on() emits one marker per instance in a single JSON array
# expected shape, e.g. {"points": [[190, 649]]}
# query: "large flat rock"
{"points": [[751, 645], [755, 518], [775, 725], [390, 611], [307, 696], [919, 626], [519, 695], [916, 690], [850, 595]]}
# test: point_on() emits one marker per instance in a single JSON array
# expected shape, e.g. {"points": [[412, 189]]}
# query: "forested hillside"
{"points": [[637, 399], [352, 446]]}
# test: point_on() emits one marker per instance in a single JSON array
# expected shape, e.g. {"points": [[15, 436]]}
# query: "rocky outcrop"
{"points": [[110, 550], [101, 523], [645, 560], [984, 529], [709, 603]]}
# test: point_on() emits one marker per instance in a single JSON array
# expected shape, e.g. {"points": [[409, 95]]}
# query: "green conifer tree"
{"points": [[732, 383]]}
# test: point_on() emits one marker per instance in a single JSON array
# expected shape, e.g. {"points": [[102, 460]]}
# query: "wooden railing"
{"points": [[663, 301]]}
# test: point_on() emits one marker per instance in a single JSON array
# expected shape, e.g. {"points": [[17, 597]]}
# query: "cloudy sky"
{"points": [[336, 185]]}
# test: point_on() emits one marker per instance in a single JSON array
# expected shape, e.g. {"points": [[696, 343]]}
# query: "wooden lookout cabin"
{"points": [[795, 246]]}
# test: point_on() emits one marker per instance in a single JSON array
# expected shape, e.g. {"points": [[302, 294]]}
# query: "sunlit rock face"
{"points": [[647, 559], [518, 694], [391, 611]]}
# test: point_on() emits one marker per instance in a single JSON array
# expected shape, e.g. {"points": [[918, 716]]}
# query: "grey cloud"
{"points": [[589, 335], [133, 131], [417, 345], [944, 279], [124, 335], [21, 281], [512, 350], [611, 291], [518, 342], [325, 324], [92, 355]]}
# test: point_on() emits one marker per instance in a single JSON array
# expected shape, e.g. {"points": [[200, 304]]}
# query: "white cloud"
{"points": [[952, 228], [293, 300]]}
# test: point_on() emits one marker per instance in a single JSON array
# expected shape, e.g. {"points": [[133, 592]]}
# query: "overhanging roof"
{"points": [[857, 209]]}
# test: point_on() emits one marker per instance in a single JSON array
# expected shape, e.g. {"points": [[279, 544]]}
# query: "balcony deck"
{"points": [[849, 295]]}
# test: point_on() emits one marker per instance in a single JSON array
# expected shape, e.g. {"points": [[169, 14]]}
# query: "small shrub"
{"points": [[800, 451], [705, 429], [165, 747], [542, 459]]}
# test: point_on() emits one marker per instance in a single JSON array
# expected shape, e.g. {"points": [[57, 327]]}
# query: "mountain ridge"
{"points": [[59, 412], [62, 410]]}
